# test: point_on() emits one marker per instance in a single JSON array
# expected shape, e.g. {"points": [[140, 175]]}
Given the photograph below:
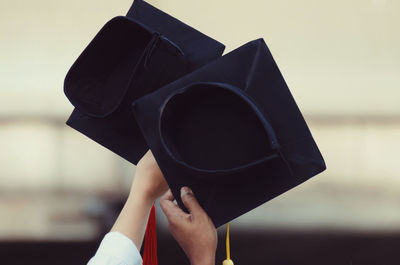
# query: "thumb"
{"points": [[190, 201]]}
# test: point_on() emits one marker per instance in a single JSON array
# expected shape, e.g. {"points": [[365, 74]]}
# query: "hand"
{"points": [[149, 181], [195, 232]]}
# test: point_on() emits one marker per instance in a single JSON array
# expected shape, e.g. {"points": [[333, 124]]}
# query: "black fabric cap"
{"points": [[231, 131], [131, 56]]}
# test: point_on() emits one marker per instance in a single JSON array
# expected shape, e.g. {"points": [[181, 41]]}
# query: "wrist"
{"points": [[141, 189], [142, 197]]}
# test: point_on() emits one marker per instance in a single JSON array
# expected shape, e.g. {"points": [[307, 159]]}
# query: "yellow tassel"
{"points": [[228, 260]]}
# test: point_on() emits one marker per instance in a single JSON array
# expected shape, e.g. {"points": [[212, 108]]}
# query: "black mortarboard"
{"points": [[231, 131], [131, 56]]}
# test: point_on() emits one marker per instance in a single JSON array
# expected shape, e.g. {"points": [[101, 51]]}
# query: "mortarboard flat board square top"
{"points": [[131, 56], [231, 131]]}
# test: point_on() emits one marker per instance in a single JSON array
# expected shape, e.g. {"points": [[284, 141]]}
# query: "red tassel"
{"points": [[150, 240]]}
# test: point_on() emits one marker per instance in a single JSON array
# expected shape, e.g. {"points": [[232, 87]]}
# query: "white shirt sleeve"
{"points": [[116, 249]]}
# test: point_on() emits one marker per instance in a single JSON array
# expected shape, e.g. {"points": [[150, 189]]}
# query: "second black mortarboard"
{"points": [[231, 131]]}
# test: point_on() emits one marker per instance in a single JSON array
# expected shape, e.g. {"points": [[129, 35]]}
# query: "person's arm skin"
{"points": [[148, 185], [195, 232]]}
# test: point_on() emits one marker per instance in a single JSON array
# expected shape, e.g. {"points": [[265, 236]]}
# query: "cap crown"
{"points": [[231, 131]]}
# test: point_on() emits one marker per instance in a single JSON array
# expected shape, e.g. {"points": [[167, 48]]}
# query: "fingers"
{"points": [[170, 209], [173, 212], [168, 196], [190, 201]]}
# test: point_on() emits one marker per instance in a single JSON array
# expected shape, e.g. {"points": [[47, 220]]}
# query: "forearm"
{"points": [[133, 218], [207, 260]]}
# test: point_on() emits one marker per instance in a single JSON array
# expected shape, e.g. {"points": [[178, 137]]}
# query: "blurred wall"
{"points": [[339, 58]]}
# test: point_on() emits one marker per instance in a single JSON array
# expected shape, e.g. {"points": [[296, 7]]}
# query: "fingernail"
{"points": [[185, 190]]}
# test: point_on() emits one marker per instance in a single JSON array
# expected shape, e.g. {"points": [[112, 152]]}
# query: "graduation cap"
{"points": [[231, 131], [131, 56]]}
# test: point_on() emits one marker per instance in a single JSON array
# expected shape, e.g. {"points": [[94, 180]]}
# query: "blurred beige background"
{"points": [[340, 59]]}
